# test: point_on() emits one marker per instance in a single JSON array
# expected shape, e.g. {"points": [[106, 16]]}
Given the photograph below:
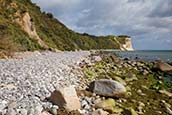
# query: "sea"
{"points": [[148, 55]]}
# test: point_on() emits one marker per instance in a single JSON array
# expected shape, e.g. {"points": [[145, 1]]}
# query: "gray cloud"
{"points": [[148, 22], [163, 9]]}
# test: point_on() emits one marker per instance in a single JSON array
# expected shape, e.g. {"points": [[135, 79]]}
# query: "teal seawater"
{"points": [[148, 55]]}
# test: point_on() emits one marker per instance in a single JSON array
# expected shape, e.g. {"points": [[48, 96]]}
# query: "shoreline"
{"points": [[147, 86]]}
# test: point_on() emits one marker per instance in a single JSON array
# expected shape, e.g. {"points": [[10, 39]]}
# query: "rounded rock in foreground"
{"points": [[107, 88]]}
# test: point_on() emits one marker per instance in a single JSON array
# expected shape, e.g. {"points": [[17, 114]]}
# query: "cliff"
{"points": [[23, 27], [127, 45], [124, 43]]}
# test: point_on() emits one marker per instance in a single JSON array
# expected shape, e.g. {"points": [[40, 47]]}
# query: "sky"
{"points": [[148, 22]]}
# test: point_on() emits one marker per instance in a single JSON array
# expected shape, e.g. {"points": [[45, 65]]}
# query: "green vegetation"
{"points": [[50, 30], [148, 89]]}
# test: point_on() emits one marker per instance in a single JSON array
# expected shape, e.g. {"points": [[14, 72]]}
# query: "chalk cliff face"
{"points": [[28, 26], [128, 45], [124, 43]]}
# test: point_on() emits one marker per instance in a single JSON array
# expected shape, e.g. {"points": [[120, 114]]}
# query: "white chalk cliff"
{"points": [[128, 45]]}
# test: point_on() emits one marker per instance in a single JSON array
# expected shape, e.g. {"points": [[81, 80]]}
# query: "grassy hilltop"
{"points": [[50, 31]]}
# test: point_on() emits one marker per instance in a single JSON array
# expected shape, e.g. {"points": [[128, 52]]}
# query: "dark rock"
{"points": [[126, 59], [170, 63]]}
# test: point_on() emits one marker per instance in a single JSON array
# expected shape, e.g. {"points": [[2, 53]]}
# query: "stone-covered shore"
{"points": [[84, 83], [148, 85], [28, 79]]}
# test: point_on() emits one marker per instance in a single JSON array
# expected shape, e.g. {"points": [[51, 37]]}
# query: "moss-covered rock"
{"points": [[107, 105], [119, 80], [129, 111]]}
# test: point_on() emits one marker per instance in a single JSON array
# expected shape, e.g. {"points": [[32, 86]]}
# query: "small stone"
{"points": [[145, 87], [94, 95], [97, 97], [89, 100], [140, 92], [84, 112], [133, 112], [131, 77], [159, 112], [22, 111], [11, 111], [38, 110], [84, 103], [55, 106], [130, 111], [87, 107], [93, 109], [3, 105], [129, 93], [166, 93], [134, 101], [119, 101], [169, 111], [145, 72], [167, 106], [117, 110], [54, 111], [107, 105], [97, 101], [45, 113], [120, 80], [100, 112], [160, 77], [96, 59], [140, 109], [141, 104], [31, 111], [128, 88], [12, 105], [124, 100]]}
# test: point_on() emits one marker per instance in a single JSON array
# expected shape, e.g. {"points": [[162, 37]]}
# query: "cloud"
{"points": [[163, 9], [146, 21], [54, 3]]}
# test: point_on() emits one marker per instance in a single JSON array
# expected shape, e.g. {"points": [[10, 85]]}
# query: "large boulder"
{"points": [[66, 98], [163, 66], [107, 88]]}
